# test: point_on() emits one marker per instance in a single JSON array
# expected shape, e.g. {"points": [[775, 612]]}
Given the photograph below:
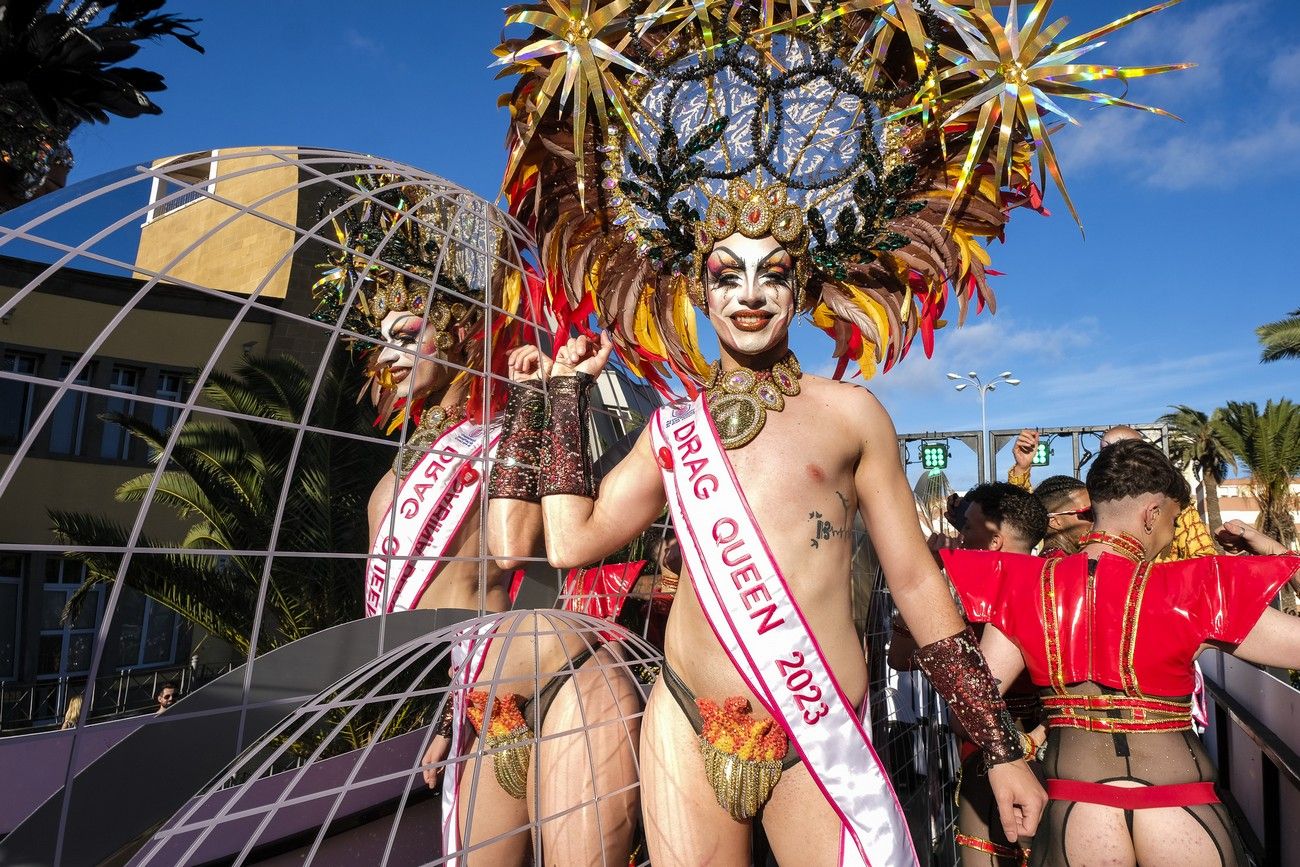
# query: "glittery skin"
{"points": [[565, 460], [959, 673], [515, 471]]}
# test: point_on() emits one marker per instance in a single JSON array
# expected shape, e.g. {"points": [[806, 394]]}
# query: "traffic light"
{"points": [[1042, 455], [934, 456]]}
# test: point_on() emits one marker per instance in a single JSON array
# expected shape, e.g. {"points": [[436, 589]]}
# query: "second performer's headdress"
{"points": [[409, 247], [879, 142]]}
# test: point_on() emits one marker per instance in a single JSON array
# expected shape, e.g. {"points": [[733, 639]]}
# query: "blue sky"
{"points": [[1189, 225]]}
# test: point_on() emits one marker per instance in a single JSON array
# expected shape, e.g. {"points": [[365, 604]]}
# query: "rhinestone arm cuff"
{"points": [[515, 470], [959, 673], [566, 461]]}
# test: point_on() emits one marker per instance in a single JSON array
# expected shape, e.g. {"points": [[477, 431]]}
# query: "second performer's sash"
{"points": [[747, 602], [425, 516], [468, 653]]}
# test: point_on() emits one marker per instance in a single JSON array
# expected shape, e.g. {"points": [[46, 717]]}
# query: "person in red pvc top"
{"points": [[1110, 638]]}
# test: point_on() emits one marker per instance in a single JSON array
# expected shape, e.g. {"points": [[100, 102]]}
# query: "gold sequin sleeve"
{"points": [[1020, 478]]}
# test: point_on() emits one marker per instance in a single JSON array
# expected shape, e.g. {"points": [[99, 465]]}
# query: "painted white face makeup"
{"points": [[412, 378], [749, 286]]}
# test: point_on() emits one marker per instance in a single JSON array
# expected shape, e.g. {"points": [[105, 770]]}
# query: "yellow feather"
{"points": [[684, 323], [644, 329]]}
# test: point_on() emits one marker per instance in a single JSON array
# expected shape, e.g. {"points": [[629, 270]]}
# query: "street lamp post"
{"points": [[983, 388]]}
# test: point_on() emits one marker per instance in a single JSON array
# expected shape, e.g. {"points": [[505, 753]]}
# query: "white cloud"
{"points": [[1248, 133], [987, 346], [1212, 37], [1284, 71], [1220, 161], [360, 42]]}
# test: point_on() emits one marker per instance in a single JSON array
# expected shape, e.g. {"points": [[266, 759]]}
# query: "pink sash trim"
{"points": [[467, 657], [820, 724], [431, 506]]}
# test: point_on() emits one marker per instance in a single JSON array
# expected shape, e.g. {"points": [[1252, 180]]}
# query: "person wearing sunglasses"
{"points": [[1110, 636], [996, 516], [1069, 513]]}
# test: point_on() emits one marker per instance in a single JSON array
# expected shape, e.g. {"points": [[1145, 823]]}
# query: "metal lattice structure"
{"points": [[183, 413]]}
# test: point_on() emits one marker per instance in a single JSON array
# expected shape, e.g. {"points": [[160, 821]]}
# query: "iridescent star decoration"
{"points": [[1010, 76], [580, 43]]}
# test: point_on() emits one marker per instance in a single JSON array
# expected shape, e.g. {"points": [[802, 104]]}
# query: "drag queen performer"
{"points": [[426, 366], [421, 300], [1110, 636], [760, 160]]}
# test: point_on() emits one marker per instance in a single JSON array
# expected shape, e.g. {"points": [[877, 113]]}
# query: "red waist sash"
{"points": [[1134, 798]]}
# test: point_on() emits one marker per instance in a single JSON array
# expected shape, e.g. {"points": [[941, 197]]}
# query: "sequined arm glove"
{"points": [[443, 727], [959, 673], [515, 471], [566, 462]]}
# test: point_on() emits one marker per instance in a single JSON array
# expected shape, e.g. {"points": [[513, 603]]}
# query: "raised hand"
{"points": [[528, 363], [1023, 450], [584, 355]]}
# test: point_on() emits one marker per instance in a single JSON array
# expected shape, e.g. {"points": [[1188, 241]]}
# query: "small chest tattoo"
{"points": [[825, 528]]}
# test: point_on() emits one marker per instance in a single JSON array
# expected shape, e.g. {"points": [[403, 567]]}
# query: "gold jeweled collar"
{"points": [[434, 422], [739, 400]]}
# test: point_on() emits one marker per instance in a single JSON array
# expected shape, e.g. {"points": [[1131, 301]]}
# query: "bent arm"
{"points": [[1274, 640], [580, 530], [889, 510], [1004, 658], [514, 532]]}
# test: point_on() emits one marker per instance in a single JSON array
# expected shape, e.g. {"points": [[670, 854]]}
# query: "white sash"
{"points": [[467, 657], [748, 604], [430, 507]]}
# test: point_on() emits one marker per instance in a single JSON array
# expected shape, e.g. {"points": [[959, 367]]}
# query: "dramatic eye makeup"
{"points": [[723, 264], [405, 329]]}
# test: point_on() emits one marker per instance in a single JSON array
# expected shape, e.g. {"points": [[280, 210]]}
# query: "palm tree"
{"points": [[226, 476], [1195, 441], [1268, 443], [60, 67], [1280, 339]]}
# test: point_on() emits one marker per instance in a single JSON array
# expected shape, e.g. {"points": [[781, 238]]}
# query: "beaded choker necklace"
{"points": [[1125, 545], [435, 421], [739, 400]]}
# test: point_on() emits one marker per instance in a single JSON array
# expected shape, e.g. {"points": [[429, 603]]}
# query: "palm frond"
{"points": [[1280, 339]]}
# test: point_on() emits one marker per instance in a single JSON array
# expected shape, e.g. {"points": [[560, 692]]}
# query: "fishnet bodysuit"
{"points": [[1146, 758]]}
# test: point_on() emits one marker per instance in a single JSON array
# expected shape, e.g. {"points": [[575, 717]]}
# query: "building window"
{"points": [[171, 387], [116, 441], [17, 398], [188, 183], [65, 648], [11, 591], [146, 631], [68, 425]]}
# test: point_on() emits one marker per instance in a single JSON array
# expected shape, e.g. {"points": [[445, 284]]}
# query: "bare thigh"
{"points": [[487, 812], [588, 766], [683, 822], [802, 827]]}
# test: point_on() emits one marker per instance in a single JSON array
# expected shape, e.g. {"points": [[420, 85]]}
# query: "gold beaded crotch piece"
{"points": [[507, 736], [739, 400], [742, 755]]}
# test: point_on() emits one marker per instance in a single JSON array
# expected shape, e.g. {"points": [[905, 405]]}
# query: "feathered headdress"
{"points": [[411, 247], [882, 143]]}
